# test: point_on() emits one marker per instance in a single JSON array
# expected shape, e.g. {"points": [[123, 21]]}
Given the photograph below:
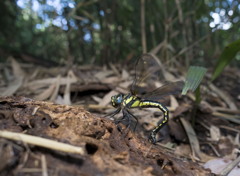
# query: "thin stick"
{"points": [[44, 165], [143, 30], [194, 143], [42, 142], [230, 167]]}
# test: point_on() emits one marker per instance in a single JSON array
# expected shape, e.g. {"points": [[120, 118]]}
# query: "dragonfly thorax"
{"points": [[117, 100]]}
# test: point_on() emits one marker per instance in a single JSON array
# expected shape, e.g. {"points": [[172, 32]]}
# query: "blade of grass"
{"points": [[226, 57], [194, 77]]}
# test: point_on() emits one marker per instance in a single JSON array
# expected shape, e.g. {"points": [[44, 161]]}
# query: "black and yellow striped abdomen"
{"points": [[131, 101]]}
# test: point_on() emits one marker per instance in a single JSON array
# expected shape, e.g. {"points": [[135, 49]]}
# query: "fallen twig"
{"points": [[42, 142], [230, 167]]}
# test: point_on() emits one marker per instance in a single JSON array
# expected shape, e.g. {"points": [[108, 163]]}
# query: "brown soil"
{"points": [[108, 150]]}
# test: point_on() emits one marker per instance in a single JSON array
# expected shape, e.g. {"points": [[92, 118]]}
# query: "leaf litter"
{"points": [[214, 139]]}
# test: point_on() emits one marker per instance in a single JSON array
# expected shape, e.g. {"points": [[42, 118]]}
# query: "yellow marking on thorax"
{"points": [[126, 101], [135, 104], [131, 98]]}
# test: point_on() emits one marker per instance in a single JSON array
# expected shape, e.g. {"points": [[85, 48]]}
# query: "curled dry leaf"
{"points": [[217, 165], [56, 89], [12, 87], [107, 98], [215, 133], [17, 70], [125, 75], [47, 92]]}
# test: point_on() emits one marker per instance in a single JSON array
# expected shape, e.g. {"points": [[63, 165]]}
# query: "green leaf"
{"points": [[194, 77], [226, 57]]}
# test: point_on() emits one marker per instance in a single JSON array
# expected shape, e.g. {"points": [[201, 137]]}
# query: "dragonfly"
{"points": [[147, 72]]}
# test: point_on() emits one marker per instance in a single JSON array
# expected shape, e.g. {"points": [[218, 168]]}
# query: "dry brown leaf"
{"points": [[236, 141], [177, 130], [125, 75], [48, 92], [59, 100], [215, 133], [125, 84], [34, 75], [183, 150], [113, 67], [48, 81], [7, 75], [56, 89], [17, 70], [18, 77], [181, 109], [194, 143], [97, 99], [107, 98], [110, 80], [168, 76], [205, 107], [217, 165], [103, 74], [12, 87], [224, 96], [66, 97], [124, 87], [173, 102]]}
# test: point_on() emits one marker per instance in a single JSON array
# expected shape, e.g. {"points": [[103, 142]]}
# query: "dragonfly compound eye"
{"points": [[119, 99]]}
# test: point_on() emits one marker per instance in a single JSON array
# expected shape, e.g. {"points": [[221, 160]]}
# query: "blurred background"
{"points": [[80, 52], [66, 32]]}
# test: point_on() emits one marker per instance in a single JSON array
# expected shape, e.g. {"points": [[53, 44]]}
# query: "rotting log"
{"points": [[107, 150]]}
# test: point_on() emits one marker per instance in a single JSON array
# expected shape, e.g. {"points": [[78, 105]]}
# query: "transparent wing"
{"points": [[172, 88], [147, 71]]}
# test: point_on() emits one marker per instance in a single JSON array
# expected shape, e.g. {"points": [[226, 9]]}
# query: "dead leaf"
{"points": [[177, 130], [17, 70], [110, 80], [56, 89], [66, 96], [48, 81], [194, 143], [173, 102], [12, 87], [181, 109], [97, 99], [217, 165], [103, 74], [113, 67], [224, 96], [125, 75], [183, 150], [107, 98], [50, 91], [215, 133]]}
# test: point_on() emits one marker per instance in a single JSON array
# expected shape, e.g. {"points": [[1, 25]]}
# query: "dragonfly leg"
{"points": [[124, 117], [114, 113], [134, 118], [127, 116]]}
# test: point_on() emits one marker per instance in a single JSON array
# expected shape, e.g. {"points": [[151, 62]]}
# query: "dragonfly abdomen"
{"points": [[153, 104]]}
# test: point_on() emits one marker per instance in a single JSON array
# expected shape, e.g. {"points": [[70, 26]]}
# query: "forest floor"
{"points": [[52, 123]]}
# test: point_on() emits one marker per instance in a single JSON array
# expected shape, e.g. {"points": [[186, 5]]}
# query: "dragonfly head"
{"points": [[117, 100]]}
